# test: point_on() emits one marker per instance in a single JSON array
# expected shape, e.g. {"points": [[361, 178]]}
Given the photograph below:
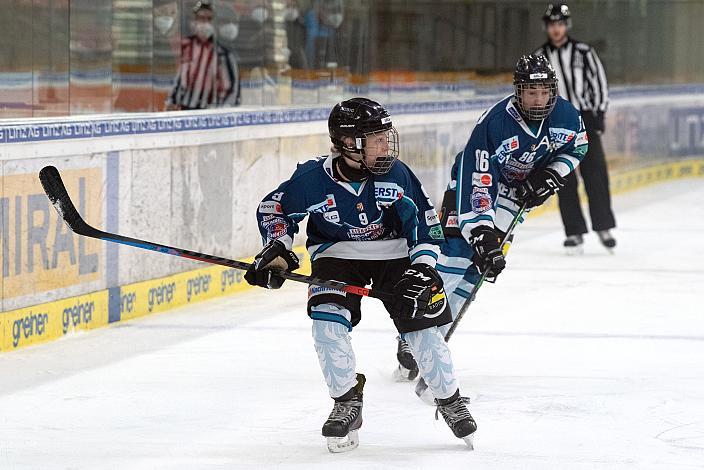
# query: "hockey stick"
{"points": [[473, 294], [57, 194], [421, 386]]}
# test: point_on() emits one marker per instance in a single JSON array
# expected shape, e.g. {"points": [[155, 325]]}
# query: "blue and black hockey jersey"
{"points": [[502, 151], [385, 217]]}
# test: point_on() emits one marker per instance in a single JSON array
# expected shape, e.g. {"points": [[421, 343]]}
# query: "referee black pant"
{"points": [[596, 183]]}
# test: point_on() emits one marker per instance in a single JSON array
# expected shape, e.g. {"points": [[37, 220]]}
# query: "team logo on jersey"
{"points": [[276, 227], [481, 200], [483, 180], [372, 231], [561, 136], [360, 207], [387, 191], [517, 171], [270, 207], [431, 217]]}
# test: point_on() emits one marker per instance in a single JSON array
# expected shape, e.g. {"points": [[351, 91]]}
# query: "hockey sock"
{"points": [[334, 348], [434, 361]]}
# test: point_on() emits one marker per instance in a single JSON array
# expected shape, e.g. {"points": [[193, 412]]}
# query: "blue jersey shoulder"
{"points": [[565, 115], [496, 113], [304, 169]]}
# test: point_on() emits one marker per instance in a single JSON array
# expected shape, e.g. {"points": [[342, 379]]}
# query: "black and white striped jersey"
{"points": [[581, 77]]}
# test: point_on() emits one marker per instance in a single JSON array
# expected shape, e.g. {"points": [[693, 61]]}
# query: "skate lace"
{"points": [[455, 411], [345, 412], [404, 347]]}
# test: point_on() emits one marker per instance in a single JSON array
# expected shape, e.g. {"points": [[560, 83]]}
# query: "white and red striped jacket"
{"points": [[205, 79]]}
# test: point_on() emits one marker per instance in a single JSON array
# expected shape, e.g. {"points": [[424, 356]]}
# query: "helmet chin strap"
{"points": [[349, 172]]}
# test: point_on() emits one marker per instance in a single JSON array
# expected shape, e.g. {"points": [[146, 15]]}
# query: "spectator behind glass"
{"points": [[322, 22], [208, 76], [295, 35]]}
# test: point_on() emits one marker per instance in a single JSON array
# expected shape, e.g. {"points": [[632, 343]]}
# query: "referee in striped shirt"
{"points": [[582, 81], [208, 76]]}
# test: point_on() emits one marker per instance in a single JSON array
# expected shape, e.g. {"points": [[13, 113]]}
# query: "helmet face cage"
{"points": [[536, 113], [385, 158]]}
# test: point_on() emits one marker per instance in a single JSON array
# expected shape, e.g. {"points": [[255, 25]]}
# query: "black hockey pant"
{"points": [[596, 183]]}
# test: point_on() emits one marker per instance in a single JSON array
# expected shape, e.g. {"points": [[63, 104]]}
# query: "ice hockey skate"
{"points": [[454, 411], [344, 421], [407, 370], [607, 240], [574, 245]]}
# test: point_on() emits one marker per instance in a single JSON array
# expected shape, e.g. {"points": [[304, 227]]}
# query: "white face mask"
{"points": [[203, 30], [335, 20], [229, 31], [260, 14], [291, 14], [163, 23]]}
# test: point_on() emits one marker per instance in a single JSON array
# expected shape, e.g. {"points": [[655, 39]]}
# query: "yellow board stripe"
{"points": [[52, 320], [629, 180]]}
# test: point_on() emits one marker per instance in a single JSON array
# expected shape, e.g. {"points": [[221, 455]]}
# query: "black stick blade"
{"points": [[55, 190]]}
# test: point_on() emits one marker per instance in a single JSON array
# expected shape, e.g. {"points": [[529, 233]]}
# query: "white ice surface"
{"points": [[571, 363]]}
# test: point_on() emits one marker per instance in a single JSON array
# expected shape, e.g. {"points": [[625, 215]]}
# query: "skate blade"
{"points": [[424, 393], [574, 250], [469, 440], [337, 445], [401, 374]]}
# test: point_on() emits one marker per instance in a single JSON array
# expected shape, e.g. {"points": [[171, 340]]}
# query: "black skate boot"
{"points": [[607, 240], [456, 414], [345, 419], [407, 370], [574, 245]]}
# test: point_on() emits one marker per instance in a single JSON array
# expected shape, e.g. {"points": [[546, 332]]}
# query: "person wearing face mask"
{"points": [[322, 22], [208, 76], [295, 35]]}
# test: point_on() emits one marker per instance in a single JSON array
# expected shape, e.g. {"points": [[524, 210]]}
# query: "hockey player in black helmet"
{"points": [[369, 222], [518, 155], [361, 131], [535, 87]]}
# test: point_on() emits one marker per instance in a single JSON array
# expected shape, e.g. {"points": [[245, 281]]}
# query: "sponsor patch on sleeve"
{"points": [[270, 207], [436, 233], [582, 139], [482, 180], [431, 217]]}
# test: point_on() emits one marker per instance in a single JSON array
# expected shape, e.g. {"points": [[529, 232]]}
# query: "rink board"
{"points": [[54, 320]]}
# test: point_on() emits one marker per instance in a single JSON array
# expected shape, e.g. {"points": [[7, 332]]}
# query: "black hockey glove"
{"points": [[539, 187], [417, 293], [273, 257], [488, 256]]}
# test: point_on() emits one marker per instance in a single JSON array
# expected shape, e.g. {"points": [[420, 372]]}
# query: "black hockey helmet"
{"points": [[534, 71], [558, 12], [366, 122]]}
